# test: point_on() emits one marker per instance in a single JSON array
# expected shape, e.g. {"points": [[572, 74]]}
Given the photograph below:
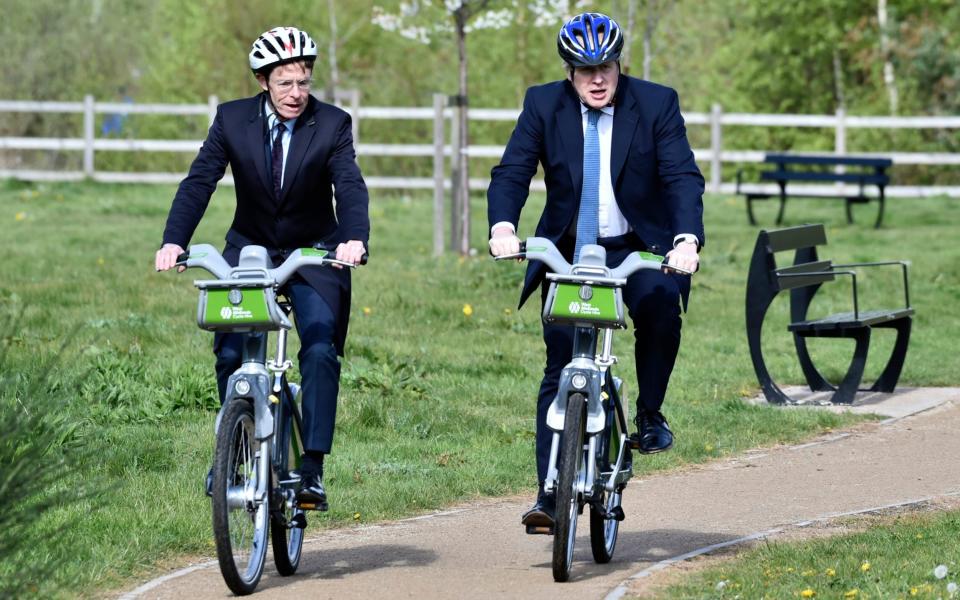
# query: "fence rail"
{"points": [[443, 145]]}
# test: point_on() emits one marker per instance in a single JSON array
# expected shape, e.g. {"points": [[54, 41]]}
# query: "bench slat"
{"points": [[821, 268], [865, 178], [846, 320], [791, 238], [829, 160]]}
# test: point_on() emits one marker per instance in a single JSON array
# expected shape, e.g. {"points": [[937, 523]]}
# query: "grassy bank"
{"points": [[441, 369], [912, 556]]}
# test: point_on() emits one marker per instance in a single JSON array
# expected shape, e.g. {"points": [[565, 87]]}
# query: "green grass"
{"points": [[436, 406], [896, 558]]}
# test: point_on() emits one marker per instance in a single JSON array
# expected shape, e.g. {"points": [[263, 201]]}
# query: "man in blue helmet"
{"points": [[626, 139]]}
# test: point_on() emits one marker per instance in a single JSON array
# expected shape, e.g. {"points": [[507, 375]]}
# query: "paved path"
{"points": [[480, 551]]}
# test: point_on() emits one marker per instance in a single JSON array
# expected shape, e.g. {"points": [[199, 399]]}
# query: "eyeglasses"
{"points": [[286, 85]]}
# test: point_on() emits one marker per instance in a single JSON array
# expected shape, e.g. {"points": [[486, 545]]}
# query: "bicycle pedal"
{"points": [[539, 530], [321, 507], [298, 521]]}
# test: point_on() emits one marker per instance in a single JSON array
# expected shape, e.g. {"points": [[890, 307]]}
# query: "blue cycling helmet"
{"points": [[589, 39]]}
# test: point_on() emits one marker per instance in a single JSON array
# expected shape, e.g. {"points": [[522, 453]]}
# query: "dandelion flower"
{"points": [[721, 584], [708, 447], [951, 588], [356, 516], [940, 572], [20, 216], [865, 566], [914, 591], [830, 572], [808, 593], [467, 310], [366, 310], [852, 593], [507, 311]]}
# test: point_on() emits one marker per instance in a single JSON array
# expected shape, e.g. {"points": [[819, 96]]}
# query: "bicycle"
{"points": [[590, 459], [259, 428]]}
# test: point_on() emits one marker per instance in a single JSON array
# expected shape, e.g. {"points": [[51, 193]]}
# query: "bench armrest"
{"points": [[852, 274], [904, 266]]}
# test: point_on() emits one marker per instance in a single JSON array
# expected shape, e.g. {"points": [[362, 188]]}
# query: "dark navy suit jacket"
{"points": [[657, 184], [320, 158]]}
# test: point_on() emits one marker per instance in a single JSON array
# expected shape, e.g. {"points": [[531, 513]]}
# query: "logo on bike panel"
{"points": [[226, 312]]}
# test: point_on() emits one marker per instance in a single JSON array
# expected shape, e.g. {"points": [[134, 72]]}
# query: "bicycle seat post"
{"points": [[279, 365]]}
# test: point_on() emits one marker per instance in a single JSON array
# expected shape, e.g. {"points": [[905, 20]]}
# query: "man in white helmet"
{"points": [[288, 152]]}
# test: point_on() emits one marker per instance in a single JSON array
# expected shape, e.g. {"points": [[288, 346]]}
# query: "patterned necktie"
{"points": [[588, 221], [276, 157]]}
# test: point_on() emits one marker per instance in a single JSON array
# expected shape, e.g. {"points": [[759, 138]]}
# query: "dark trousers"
{"points": [[319, 365], [652, 299]]}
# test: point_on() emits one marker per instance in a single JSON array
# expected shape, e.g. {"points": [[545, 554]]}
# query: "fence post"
{"points": [[88, 122], [716, 148], [212, 102], [355, 113], [439, 103], [840, 143], [455, 174]]}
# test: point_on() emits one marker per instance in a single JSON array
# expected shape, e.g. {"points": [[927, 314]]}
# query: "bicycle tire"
{"points": [[287, 542], [568, 503], [604, 531], [240, 530]]}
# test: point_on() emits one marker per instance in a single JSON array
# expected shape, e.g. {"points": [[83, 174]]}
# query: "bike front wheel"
{"points": [[568, 499], [240, 522]]}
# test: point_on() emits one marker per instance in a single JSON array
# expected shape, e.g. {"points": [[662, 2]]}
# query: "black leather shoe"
{"points": [[541, 516], [209, 482], [312, 495], [653, 433]]}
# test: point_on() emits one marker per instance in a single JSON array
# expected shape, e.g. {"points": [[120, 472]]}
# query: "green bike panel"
{"points": [[314, 252], [251, 310], [568, 305]]}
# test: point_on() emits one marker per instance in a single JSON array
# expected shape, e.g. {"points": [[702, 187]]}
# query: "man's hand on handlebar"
{"points": [[167, 257], [351, 252], [684, 256], [504, 242]]}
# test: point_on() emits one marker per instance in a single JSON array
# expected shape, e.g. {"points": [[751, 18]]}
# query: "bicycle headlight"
{"points": [[579, 381], [242, 387]]}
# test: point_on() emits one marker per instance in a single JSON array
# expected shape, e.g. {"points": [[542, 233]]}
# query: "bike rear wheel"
{"points": [[287, 541], [568, 501], [240, 524], [603, 528]]}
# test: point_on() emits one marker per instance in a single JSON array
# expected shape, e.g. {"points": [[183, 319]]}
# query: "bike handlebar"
{"points": [[254, 263], [542, 249]]}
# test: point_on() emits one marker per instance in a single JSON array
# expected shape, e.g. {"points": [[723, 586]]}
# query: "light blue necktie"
{"points": [[588, 219]]}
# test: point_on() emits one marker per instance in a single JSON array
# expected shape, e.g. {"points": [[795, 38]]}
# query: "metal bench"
{"points": [[804, 278], [862, 171]]}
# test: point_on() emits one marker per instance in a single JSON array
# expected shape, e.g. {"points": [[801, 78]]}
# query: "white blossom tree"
{"points": [[425, 20]]}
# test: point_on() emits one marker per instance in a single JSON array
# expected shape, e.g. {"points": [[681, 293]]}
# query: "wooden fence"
{"points": [[443, 145]]}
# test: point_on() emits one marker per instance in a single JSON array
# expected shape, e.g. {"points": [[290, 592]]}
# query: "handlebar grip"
{"points": [[523, 247], [183, 258], [363, 259]]}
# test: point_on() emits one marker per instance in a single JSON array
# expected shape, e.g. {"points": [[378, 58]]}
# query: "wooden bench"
{"points": [[862, 171], [803, 278]]}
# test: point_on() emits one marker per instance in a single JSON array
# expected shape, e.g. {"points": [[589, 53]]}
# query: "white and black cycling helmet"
{"points": [[589, 39], [281, 45]]}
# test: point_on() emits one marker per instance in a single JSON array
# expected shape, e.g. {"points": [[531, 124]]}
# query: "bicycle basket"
{"points": [[232, 306], [583, 304]]}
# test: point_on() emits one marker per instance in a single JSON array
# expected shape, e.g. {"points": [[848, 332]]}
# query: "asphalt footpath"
{"points": [[479, 550]]}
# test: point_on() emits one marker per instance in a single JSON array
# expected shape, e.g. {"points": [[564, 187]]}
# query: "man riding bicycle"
{"points": [[288, 152], [619, 173]]}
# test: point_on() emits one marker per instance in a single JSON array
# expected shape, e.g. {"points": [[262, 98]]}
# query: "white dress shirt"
{"points": [[287, 136]]}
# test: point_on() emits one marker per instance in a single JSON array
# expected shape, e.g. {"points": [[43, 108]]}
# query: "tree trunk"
{"points": [[648, 30], [628, 35], [334, 81], [463, 193], [888, 76]]}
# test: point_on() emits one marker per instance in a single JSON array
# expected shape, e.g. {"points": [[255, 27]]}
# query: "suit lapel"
{"points": [[256, 139], [625, 118], [303, 132], [569, 121]]}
